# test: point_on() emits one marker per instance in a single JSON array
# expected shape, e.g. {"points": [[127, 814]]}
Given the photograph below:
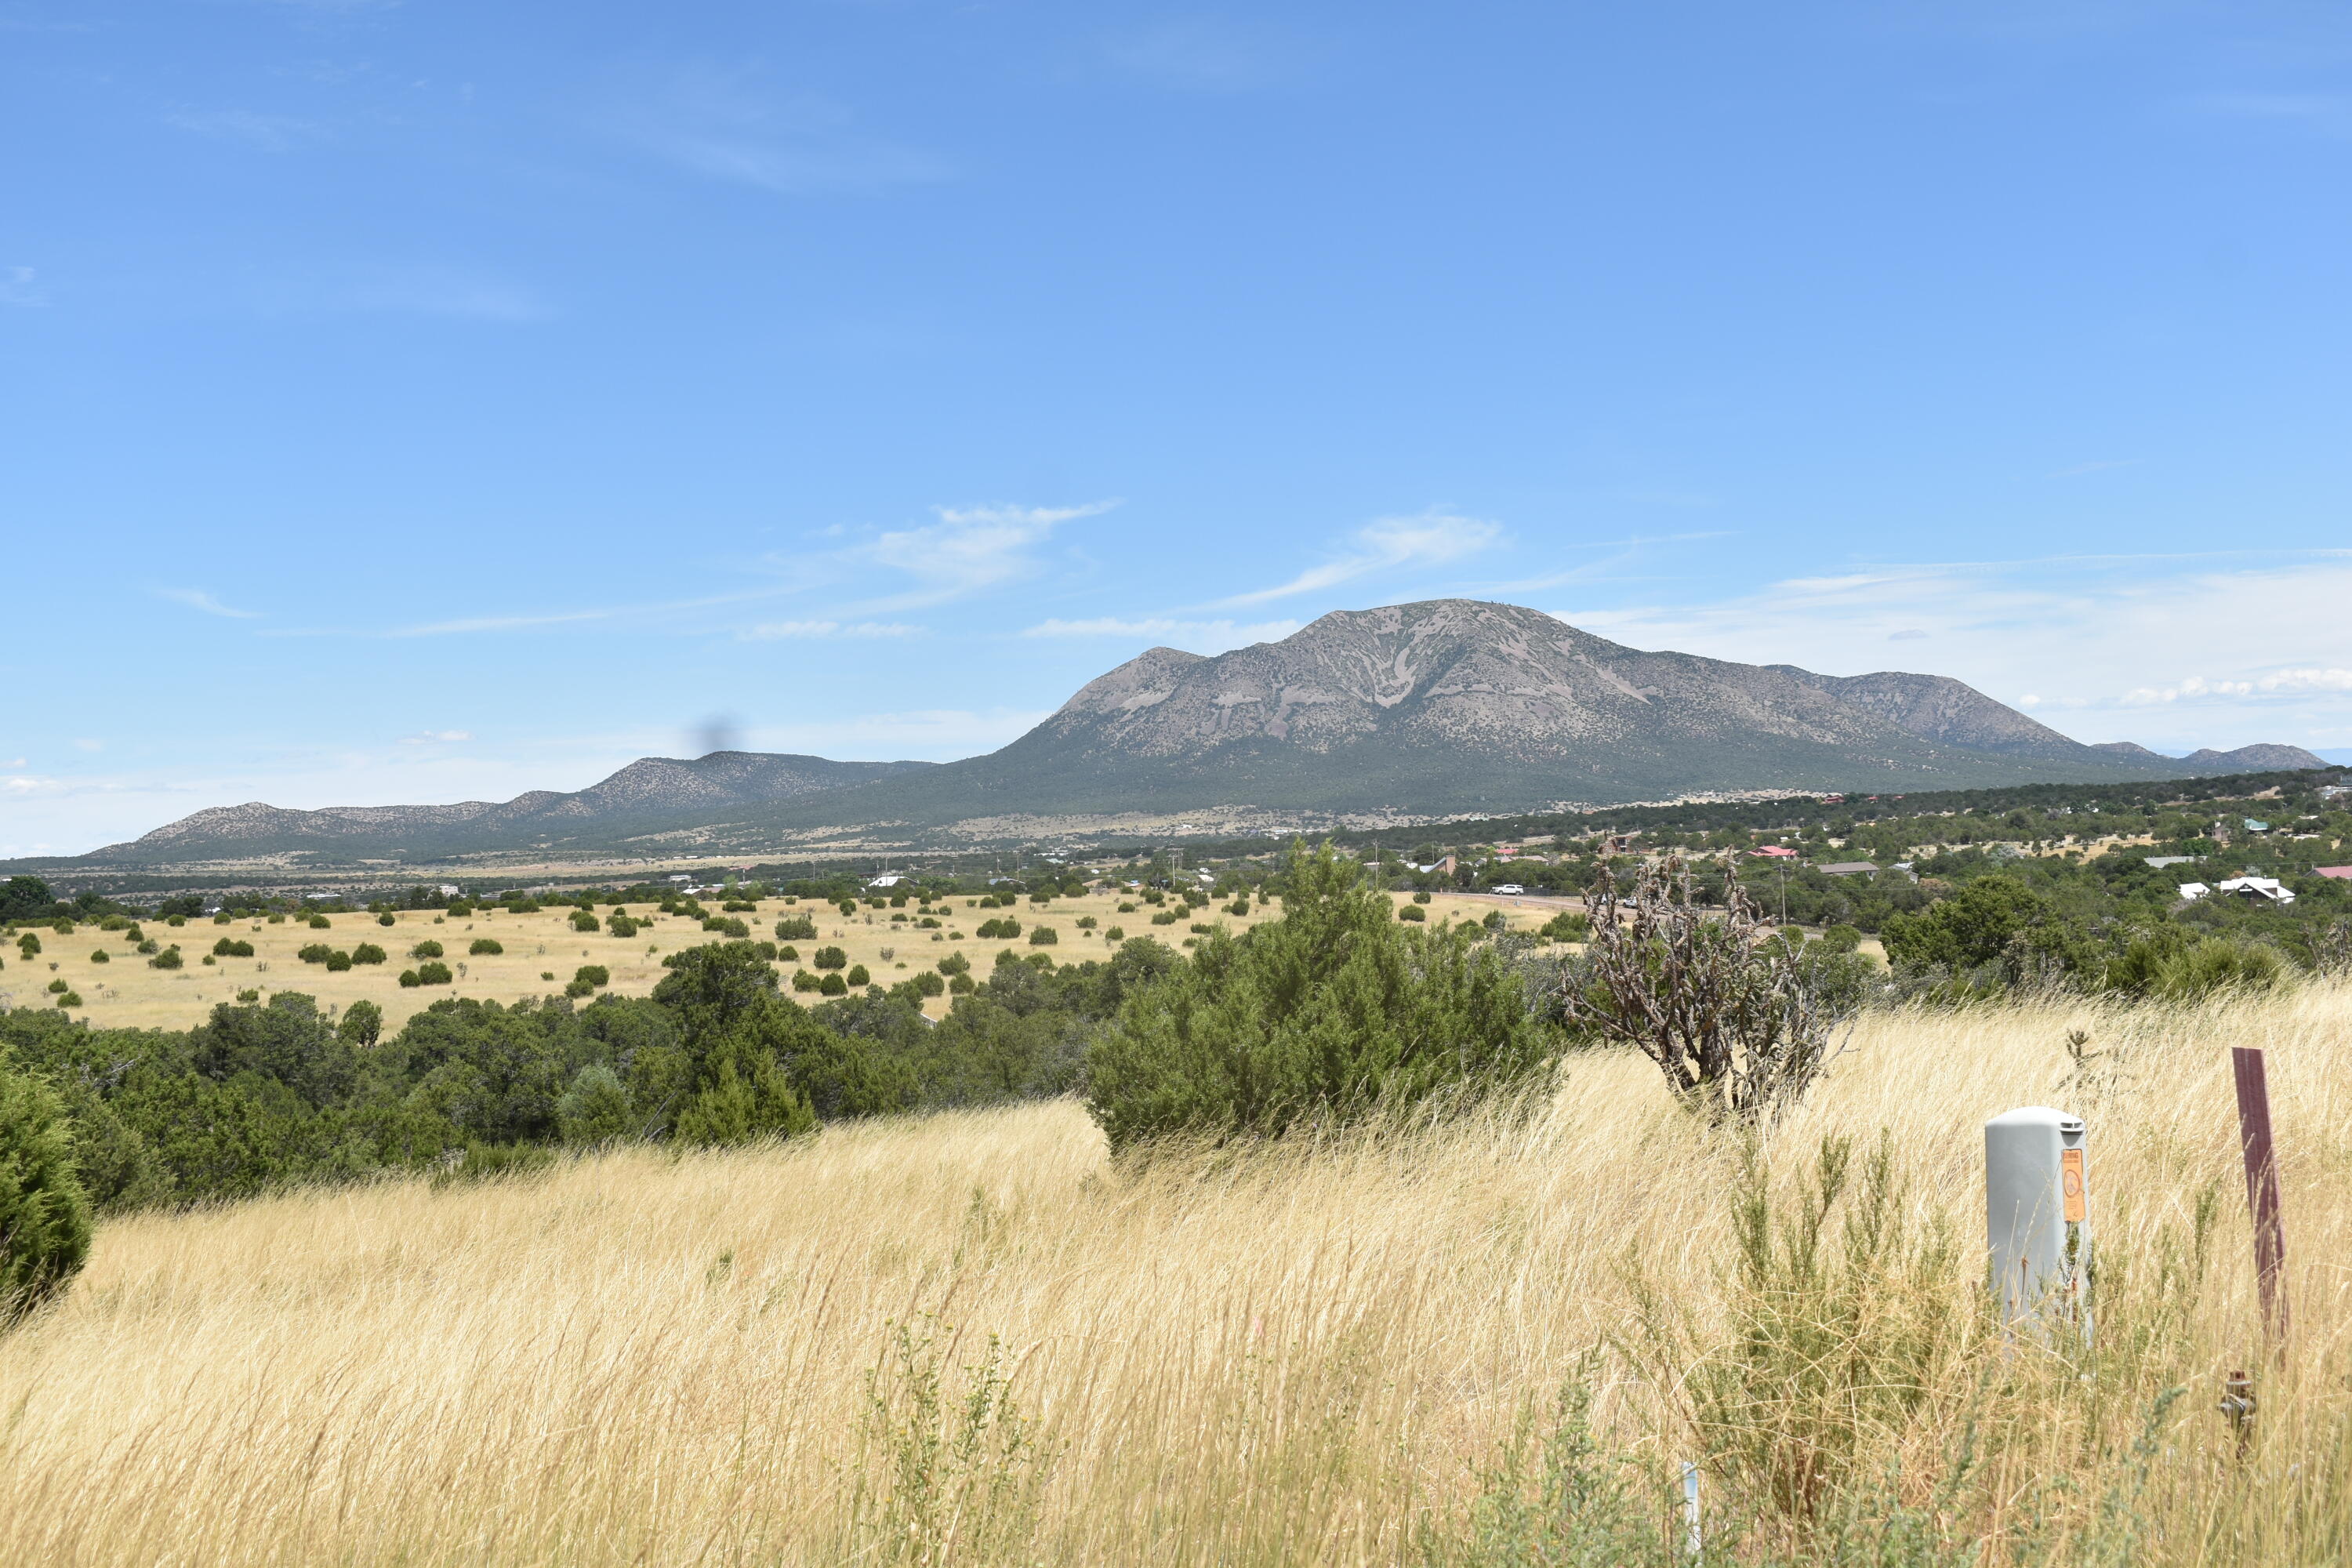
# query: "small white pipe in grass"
{"points": [[1690, 1510]]}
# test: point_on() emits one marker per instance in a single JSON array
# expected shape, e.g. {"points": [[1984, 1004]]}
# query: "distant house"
{"points": [[2161, 861], [889, 881], [2256, 825], [2269, 888], [449, 890], [2340, 873], [2192, 891], [1849, 868], [1775, 852]]}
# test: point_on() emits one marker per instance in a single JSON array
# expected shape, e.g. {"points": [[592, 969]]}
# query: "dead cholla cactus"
{"points": [[1717, 998]]}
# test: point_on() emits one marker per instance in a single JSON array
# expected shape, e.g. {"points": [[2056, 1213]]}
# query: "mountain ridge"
{"points": [[1445, 707]]}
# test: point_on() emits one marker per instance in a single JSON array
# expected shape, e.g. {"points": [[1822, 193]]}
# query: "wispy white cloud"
{"points": [[1201, 54], [970, 549], [247, 128], [771, 631], [1197, 636], [2327, 111], [436, 737], [2285, 681], [20, 287], [1432, 538], [720, 125], [2256, 652], [197, 599]]}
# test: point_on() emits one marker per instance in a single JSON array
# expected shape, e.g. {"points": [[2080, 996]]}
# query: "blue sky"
{"points": [[425, 401]]}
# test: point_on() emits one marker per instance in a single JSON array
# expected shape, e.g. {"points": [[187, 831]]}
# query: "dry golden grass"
{"points": [[126, 992], [1291, 1355]]}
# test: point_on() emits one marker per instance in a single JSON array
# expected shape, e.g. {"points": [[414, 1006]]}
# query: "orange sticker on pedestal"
{"points": [[2070, 1177]]}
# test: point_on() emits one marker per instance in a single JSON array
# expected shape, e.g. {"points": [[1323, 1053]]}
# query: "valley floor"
{"points": [[1301, 1355]]}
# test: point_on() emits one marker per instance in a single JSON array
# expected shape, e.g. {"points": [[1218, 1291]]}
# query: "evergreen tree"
{"points": [[1334, 1008], [44, 1212]]}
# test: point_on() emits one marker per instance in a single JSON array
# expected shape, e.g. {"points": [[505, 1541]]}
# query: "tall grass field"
{"points": [[1490, 1338]]}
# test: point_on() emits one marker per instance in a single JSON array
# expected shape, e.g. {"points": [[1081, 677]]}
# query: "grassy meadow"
{"points": [[125, 992], [1314, 1352]]}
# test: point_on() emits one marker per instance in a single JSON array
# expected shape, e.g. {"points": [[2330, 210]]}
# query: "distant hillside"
{"points": [[649, 790]]}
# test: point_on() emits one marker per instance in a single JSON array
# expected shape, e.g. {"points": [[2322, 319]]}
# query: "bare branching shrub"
{"points": [[1715, 997]]}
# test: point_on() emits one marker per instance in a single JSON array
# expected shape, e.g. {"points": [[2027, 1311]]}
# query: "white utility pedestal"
{"points": [[2037, 1214]]}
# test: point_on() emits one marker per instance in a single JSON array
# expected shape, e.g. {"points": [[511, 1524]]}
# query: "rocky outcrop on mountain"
{"points": [[1938, 708]]}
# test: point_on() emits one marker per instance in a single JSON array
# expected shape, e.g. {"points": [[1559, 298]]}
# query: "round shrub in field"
{"points": [[857, 976], [44, 1213], [830, 958], [425, 949], [320, 923], [28, 944], [806, 980], [1004, 930], [593, 975], [167, 959], [1116, 933], [337, 962], [231, 947], [833, 985], [1412, 912], [368, 953], [385, 921], [622, 925], [482, 944], [1421, 898], [788, 955], [1043, 936], [432, 972], [70, 999], [315, 953], [65, 928], [58, 986], [100, 956], [929, 984], [581, 920], [955, 963], [409, 979], [796, 928], [734, 928]]}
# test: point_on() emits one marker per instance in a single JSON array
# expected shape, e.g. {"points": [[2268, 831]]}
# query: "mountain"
{"points": [[2253, 760], [1938, 708], [1449, 707], [649, 790], [1457, 706]]}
